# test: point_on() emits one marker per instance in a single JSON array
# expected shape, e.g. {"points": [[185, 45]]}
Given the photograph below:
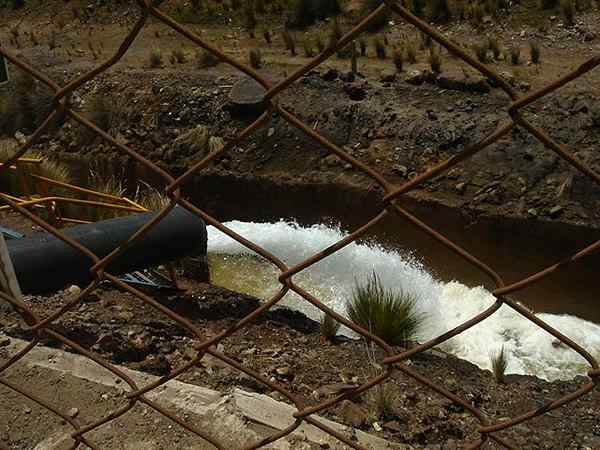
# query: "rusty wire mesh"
{"points": [[392, 361]]}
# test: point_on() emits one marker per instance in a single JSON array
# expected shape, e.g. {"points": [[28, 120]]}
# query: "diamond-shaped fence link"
{"points": [[393, 361]]}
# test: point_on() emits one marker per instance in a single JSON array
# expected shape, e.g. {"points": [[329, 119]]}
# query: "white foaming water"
{"points": [[446, 305]]}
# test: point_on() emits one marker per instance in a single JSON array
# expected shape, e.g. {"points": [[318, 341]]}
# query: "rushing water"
{"points": [[445, 305]]}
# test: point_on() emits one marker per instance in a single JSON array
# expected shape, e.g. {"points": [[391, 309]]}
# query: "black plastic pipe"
{"points": [[43, 263]]}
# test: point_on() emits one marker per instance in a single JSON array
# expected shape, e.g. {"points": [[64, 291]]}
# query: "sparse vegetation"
{"points": [[381, 402], [329, 327], [390, 315], [435, 59], [535, 52], [155, 59], [255, 57], [499, 364]]}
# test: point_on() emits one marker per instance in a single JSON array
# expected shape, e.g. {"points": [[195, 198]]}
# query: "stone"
{"points": [[388, 76], [74, 290], [355, 93], [353, 414], [4, 342], [193, 142], [334, 389], [284, 372], [400, 169], [524, 86], [589, 36], [415, 77], [458, 81], [331, 75], [72, 413], [347, 77], [461, 187], [556, 211], [270, 132], [394, 426]]}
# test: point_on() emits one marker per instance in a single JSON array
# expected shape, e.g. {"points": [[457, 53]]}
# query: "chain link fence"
{"points": [[392, 361]]}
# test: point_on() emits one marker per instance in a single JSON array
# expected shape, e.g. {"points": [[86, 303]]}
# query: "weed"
{"points": [[499, 362], [381, 402], [387, 314]]}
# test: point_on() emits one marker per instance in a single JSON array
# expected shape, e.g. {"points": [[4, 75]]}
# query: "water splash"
{"points": [[530, 349]]}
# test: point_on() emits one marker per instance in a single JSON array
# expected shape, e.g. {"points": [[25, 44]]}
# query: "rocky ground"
{"points": [[288, 349]]}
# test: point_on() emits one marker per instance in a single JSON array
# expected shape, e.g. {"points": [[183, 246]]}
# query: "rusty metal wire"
{"points": [[391, 206]]}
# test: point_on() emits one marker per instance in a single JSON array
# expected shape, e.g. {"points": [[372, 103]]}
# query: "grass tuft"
{"points": [[499, 362], [380, 49], [329, 327], [515, 55], [255, 57], [390, 315], [155, 59], [535, 52], [435, 59]]}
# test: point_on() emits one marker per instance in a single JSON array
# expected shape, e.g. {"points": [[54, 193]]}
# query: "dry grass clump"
{"points": [[499, 364]]}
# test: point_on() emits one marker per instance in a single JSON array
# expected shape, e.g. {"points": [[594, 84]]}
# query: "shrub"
{"points": [[494, 45], [206, 59], [255, 58], [567, 8], [515, 55], [380, 49], [435, 59], [387, 314], [440, 11], [499, 362], [411, 53], [535, 52], [329, 327], [179, 56], [155, 58], [398, 58], [481, 51], [289, 41]]}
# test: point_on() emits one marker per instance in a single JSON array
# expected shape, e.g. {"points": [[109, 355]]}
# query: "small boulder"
{"points": [[458, 81]]}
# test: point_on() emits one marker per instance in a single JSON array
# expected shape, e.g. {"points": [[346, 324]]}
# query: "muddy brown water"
{"points": [[515, 248]]}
